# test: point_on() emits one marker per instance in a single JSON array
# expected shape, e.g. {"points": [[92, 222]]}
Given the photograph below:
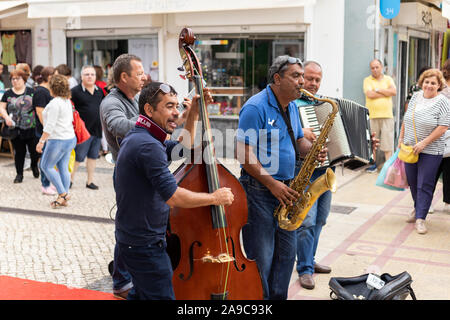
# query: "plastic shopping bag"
{"points": [[383, 172], [72, 160], [396, 175]]}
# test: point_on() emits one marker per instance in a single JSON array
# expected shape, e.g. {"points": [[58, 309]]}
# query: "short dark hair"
{"points": [[46, 73], [64, 70], [148, 95], [123, 64], [36, 73]]}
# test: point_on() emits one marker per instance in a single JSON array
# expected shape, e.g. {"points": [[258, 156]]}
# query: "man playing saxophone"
{"points": [[269, 140]]}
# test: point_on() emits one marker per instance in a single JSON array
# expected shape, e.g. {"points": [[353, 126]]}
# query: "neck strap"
{"points": [[151, 127]]}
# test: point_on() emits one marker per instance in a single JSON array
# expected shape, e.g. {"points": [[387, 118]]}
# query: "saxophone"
{"points": [[290, 218]]}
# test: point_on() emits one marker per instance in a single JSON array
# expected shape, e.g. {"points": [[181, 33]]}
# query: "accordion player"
{"points": [[349, 141]]}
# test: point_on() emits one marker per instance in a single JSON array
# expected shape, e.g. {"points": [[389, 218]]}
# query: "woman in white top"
{"points": [[59, 137], [427, 117]]}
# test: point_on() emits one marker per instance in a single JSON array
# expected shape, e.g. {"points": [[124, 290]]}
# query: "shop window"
{"points": [[104, 51], [16, 47], [235, 67]]}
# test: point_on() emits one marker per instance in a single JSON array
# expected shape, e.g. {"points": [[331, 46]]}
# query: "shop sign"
{"points": [[211, 42], [389, 8]]}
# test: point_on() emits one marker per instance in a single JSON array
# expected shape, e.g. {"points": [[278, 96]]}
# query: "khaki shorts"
{"points": [[384, 130]]}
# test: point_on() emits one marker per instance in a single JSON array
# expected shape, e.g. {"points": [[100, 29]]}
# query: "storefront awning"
{"points": [[10, 8], [86, 8]]}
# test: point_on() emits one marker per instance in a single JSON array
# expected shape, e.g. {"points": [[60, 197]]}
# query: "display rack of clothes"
{"points": [[16, 47]]}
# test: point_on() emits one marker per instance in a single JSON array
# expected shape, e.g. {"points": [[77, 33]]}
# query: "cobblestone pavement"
{"points": [[71, 245], [365, 229]]}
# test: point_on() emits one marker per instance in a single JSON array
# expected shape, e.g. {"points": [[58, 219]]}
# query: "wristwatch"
{"points": [[376, 90]]}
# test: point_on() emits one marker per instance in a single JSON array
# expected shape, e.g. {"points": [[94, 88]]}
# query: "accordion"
{"points": [[349, 141]]}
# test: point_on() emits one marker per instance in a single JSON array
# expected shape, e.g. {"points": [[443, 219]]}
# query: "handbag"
{"points": [[79, 127], [8, 132], [406, 153], [382, 175], [356, 288], [396, 175]]}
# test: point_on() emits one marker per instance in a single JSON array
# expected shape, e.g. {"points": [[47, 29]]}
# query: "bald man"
{"points": [[379, 90]]}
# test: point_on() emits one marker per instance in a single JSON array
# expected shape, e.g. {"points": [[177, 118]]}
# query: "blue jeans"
{"points": [[151, 271], [309, 232], [120, 276], [44, 181], [421, 179], [271, 247], [57, 153]]}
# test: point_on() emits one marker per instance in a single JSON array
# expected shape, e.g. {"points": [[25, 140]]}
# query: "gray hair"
{"points": [[280, 65], [86, 67], [307, 63]]}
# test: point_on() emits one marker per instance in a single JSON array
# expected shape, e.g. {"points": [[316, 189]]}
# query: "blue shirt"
{"points": [[143, 184], [262, 126]]}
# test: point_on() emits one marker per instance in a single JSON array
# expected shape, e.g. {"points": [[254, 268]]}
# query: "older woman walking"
{"points": [[16, 107], [427, 118], [59, 139]]}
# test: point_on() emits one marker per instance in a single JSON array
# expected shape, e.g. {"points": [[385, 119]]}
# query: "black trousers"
{"points": [[444, 168], [20, 145]]}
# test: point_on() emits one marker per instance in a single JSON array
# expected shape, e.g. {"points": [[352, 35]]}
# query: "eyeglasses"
{"points": [[290, 60], [15, 79], [162, 87]]}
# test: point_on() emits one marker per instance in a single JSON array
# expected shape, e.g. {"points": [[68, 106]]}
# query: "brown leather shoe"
{"points": [[122, 295], [320, 268], [307, 281]]}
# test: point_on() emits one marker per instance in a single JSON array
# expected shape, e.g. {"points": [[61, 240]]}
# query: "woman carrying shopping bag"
{"points": [[425, 122]]}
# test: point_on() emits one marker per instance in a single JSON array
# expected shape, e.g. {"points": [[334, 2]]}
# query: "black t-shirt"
{"points": [[21, 107], [88, 105], [41, 98]]}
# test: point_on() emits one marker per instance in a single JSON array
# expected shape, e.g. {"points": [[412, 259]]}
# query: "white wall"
{"points": [[325, 43]]}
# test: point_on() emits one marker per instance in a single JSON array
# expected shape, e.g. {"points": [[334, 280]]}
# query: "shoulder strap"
{"points": [[287, 120], [414, 123]]}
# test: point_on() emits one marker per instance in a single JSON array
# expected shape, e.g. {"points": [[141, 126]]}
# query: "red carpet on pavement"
{"points": [[23, 289]]}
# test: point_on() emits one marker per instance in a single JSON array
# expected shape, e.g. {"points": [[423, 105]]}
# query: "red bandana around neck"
{"points": [[151, 127]]}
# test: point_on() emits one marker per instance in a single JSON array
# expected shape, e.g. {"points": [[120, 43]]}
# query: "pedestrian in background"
{"points": [[16, 107], [379, 90], [86, 98], [444, 168], [427, 118], [64, 70], [41, 98], [59, 139]]}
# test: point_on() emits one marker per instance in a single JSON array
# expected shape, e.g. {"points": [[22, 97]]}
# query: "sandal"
{"points": [[61, 201]]}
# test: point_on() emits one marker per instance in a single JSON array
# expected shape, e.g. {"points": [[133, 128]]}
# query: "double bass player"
{"points": [[146, 189]]}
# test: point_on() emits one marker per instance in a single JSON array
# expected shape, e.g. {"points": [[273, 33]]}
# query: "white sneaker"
{"points": [[446, 207], [49, 191], [411, 216], [420, 226]]}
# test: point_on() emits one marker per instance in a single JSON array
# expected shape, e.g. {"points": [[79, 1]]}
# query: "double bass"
{"points": [[205, 246]]}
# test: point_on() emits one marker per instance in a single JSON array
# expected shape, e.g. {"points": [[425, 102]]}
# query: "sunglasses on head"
{"points": [[162, 87], [290, 60]]}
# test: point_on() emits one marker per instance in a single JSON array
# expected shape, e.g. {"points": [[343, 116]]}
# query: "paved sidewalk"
{"points": [[73, 245]]}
